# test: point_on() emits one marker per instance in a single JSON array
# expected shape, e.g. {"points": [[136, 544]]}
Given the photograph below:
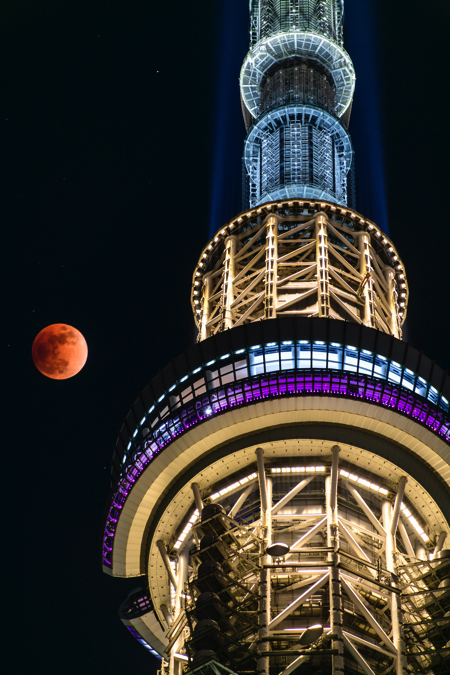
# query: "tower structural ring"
{"points": [[285, 46], [258, 421], [278, 150]]}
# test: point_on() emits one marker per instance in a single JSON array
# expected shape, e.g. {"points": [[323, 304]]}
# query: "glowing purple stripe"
{"points": [[242, 393]]}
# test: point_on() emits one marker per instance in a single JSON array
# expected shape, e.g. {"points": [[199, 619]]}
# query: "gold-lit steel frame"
{"points": [[297, 258], [378, 579]]}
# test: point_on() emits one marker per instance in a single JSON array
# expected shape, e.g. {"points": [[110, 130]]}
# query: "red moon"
{"points": [[59, 351]]}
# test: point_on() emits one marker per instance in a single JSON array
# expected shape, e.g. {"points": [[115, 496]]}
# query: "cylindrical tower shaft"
{"points": [[297, 85]]}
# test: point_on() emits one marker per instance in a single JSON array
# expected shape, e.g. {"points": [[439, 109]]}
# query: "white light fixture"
{"points": [[299, 469], [186, 530], [233, 486], [420, 531], [362, 481]]}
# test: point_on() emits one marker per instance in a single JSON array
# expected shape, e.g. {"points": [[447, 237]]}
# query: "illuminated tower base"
{"points": [[322, 436]]}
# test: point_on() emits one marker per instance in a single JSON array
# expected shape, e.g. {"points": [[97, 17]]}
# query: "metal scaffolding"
{"points": [[299, 259], [268, 17], [310, 566]]}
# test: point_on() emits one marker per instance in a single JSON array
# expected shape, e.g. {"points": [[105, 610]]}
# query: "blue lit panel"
{"points": [[145, 644]]}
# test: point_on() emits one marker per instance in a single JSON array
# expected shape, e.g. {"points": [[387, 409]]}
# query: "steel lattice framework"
{"points": [[299, 259], [282, 488]]}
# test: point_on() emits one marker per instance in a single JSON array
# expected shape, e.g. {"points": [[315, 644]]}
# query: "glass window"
{"points": [[319, 355], [351, 359], [304, 354]]}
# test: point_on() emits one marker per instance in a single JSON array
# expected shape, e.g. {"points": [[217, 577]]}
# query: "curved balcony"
{"points": [[284, 47], [271, 360]]}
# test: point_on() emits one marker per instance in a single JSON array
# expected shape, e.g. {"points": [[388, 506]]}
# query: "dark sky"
{"points": [[112, 145]]}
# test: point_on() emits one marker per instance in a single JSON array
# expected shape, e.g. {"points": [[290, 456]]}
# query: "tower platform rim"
{"points": [[145, 456], [161, 479], [284, 45]]}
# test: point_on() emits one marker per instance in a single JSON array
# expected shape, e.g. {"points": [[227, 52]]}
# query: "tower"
{"points": [[282, 488]]}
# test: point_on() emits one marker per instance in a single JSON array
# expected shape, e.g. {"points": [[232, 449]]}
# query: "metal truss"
{"points": [[299, 151], [296, 82], [317, 570], [299, 262]]}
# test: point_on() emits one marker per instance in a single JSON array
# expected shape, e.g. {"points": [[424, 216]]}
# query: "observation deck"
{"points": [[294, 388]]}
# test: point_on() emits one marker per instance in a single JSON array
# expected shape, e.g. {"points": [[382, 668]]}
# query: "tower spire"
{"points": [[297, 84], [321, 258]]}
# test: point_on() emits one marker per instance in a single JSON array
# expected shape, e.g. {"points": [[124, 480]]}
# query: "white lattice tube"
{"points": [[166, 614], [398, 502], [295, 664], [335, 591], [290, 495], [297, 545], [334, 477], [165, 558], [264, 579], [241, 499], [262, 479], [356, 547], [197, 497], [207, 291], [299, 601], [369, 513], [354, 597], [357, 656], [440, 543], [406, 540], [365, 269], [396, 610]]}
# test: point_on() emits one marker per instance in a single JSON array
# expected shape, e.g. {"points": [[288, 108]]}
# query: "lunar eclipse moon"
{"points": [[59, 351]]}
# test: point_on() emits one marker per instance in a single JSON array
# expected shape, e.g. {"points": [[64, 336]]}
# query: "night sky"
{"points": [[121, 140]]}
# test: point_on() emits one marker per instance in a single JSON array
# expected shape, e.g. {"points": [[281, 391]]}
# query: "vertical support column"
{"points": [[264, 616], [421, 551], [389, 276], [439, 544], [270, 303], [396, 609], [336, 614], [323, 294], [197, 497], [167, 616], [182, 574], [397, 505], [365, 291], [228, 281], [166, 560], [207, 290]]}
